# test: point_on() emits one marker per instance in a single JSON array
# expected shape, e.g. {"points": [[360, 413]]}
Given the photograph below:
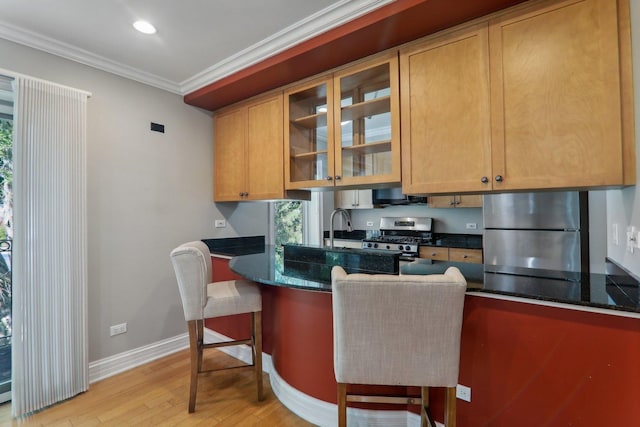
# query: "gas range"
{"points": [[402, 234]]}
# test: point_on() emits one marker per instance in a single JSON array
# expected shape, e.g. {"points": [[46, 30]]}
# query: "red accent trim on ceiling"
{"points": [[384, 28]]}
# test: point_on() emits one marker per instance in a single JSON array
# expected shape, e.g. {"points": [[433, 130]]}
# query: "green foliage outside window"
{"points": [[288, 222], [6, 230]]}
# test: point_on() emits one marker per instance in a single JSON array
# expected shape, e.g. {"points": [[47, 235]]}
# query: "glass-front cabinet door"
{"points": [[367, 137], [309, 135], [344, 129]]}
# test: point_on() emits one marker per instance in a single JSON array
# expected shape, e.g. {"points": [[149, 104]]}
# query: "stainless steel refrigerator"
{"points": [[541, 234]]}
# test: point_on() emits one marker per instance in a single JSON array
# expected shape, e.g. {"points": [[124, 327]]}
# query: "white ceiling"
{"points": [[197, 43]]}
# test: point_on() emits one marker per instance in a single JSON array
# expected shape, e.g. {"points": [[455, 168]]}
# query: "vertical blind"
{"points": [[50, 357]]}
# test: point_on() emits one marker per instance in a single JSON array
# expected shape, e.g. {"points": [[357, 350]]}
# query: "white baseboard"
{"points": [[109, 366], [313, 410]]}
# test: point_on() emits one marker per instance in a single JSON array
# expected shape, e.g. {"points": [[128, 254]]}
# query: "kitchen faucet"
{"points": [[346, 216]]}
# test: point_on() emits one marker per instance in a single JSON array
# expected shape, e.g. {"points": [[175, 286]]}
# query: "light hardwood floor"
{"points": [[156, 394]]}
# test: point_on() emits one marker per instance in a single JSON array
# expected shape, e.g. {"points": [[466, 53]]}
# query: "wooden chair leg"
{"points": [[200, 340], [195, 351], [450, 407], [257, 353], [342, 405], [425, 410]]}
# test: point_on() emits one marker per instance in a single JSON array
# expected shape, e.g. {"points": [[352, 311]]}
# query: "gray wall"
{"points": [[147, 193]]}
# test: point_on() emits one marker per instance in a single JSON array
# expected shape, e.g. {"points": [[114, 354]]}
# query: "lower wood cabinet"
{"points": [[451, 254]]}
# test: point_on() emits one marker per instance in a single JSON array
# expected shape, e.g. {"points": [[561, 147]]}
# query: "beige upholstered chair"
{"points": [[202, 299], [397, 330]]}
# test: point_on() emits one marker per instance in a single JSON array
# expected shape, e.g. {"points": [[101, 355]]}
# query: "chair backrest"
{"points": [[192, 264], [397, 330]]}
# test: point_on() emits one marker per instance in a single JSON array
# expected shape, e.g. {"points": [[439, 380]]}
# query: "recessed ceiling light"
{"points": [[144, 27]]}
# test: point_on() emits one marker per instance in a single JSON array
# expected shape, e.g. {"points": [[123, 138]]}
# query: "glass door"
{"points": [[367, 140], [309, 136]]}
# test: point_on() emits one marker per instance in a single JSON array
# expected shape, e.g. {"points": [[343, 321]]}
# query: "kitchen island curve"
{"points": [[553, 361]]}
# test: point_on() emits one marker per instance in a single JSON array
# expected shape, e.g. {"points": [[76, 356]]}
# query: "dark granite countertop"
{"points": [[235, 246], [617, 292]]}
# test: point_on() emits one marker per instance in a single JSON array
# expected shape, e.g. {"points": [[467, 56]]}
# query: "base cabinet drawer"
{"points": [[440, 254], [465, 255], [451, 254]]}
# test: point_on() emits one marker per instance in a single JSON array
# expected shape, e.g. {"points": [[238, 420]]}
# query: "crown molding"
{"points": [[312, 26], [64, 50]]}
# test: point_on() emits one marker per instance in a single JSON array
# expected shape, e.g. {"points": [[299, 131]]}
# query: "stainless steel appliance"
{"points": [[402, 234], [542, 234]]}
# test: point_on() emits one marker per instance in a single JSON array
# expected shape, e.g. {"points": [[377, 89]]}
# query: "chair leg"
{"points": [[450, 407], [256, 326], [425, 411], [200, 340], [342, 405], [195, 351]]}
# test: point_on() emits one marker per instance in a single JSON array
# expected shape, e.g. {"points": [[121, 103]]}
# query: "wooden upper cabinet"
{"points": [[446, 122], [229, 161], [342, 129], [556, 96], [367, 122], [248, 146], [455, 201]]}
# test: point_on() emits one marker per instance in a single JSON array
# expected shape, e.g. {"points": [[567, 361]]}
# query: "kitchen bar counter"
{"points": [[617, 291]]}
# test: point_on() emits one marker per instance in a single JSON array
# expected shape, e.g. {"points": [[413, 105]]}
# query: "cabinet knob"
{"points": [[499, 178], [338, 177], [484, 179], [452, 202], [465, 256], [329, 178], [433, 254]]}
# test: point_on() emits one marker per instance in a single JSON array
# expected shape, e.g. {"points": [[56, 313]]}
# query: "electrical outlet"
{"points": [[463, 392], [118, 329], [369, 223], [220, 223], [472, 226], [614, 234], [631, 238]]}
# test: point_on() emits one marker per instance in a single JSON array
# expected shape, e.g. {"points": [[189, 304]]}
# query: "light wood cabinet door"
{"points": [[556, 96], [469, 201], [455, 201], [308, 125], [465, 255], [248, 146], [353, 199], [446, 134], [229, 156], [265, 168], [343, 128], [434, 253], [367, 122]]}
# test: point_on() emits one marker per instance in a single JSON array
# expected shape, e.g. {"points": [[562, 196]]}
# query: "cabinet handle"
{"points": [[484, 179], [338, 177], [452, 202], [499, 178], [433, 254], [329, 178]]}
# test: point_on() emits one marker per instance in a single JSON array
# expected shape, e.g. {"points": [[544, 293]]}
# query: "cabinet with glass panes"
{"points": [[342, 129]]}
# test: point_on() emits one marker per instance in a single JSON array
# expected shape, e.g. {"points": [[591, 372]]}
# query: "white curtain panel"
{"points": [[50, 355]]}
